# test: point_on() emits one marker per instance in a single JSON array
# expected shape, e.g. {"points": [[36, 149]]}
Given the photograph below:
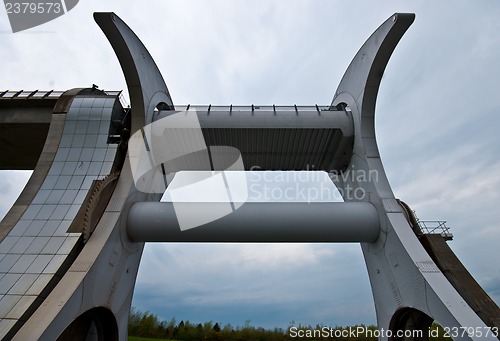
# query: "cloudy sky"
{"points": [[438, 116]]}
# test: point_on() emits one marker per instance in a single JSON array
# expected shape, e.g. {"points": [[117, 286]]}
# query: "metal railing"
{"points": [[435, 227], [255, 108], [121, 97], [30, 94]]}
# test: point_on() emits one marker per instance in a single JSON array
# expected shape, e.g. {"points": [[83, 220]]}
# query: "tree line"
{"points": [[147, 324]]}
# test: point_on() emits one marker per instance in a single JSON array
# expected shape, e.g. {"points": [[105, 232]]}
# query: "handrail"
{"points": [[435, 227]]}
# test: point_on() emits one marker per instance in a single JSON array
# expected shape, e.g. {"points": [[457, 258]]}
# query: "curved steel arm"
{"points": [[145, 83], [362, 78]]}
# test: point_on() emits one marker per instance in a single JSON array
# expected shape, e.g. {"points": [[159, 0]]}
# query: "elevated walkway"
{"points": [[269, 137], [25, 118]]}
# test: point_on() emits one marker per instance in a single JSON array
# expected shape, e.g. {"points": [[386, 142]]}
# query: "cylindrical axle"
{"points": [[257, 222]]}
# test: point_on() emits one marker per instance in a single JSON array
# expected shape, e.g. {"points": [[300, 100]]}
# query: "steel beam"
{"points": [[258, 222]]}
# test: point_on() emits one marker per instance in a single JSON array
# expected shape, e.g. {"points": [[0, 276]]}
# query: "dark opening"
{"points": [[95, 324], [410, 324]]}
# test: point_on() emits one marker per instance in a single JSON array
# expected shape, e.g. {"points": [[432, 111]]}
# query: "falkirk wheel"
{"points": [[72, 242]]}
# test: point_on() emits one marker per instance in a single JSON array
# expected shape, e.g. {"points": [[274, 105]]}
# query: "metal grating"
{"points": [[279, 137], [279, 148]]}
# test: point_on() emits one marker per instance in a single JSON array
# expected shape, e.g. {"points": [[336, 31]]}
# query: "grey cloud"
{"points": [[218, 279], [11, 185]]}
